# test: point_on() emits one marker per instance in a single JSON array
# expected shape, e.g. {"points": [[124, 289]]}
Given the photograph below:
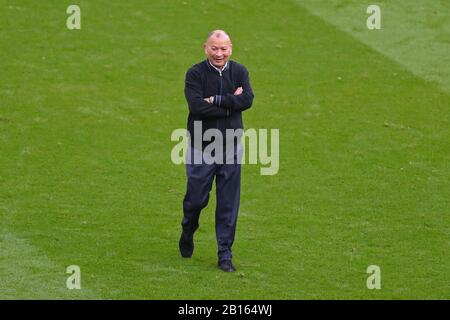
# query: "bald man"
{"points": [[217, 91]]}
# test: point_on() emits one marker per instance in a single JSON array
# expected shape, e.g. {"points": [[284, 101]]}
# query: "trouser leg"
{"points": [[228, 180], [199, 182]]}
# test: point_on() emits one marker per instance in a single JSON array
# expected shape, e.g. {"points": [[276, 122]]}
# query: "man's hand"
{"points": [[238, 91], [209, 99]]}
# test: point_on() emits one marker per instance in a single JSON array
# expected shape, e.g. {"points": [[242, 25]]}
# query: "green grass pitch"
{"points": [[86, 177]]}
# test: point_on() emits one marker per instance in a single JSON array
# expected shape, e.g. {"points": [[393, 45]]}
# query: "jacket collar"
{"points": [[211, 66]]}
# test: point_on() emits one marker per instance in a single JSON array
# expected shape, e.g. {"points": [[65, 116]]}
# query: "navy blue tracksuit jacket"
{"points": [[202, 81]]}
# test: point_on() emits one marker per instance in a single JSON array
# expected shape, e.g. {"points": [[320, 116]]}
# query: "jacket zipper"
{"points": [[220, 93]]}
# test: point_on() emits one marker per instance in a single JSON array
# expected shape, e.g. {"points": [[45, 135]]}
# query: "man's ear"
{"points": [[204, 48]]}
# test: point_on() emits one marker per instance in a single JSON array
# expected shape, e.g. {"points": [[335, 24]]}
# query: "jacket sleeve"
{"points": [[239, 102], [194, 95]]}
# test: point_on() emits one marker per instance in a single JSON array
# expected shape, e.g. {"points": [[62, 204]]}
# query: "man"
{"points": [[217, 90]]}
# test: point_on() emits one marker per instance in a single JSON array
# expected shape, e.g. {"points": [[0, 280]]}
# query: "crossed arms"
{"points": [[218, 106]]}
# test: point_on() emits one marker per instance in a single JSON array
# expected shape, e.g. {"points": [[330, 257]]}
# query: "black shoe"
{"points": [[226, 266], [186, 245]]}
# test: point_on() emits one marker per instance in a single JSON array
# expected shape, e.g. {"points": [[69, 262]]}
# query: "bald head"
{"points": [[218, 34], [218, 48]]}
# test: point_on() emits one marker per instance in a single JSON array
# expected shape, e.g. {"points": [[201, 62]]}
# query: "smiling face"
{"points": [[218, 48]]}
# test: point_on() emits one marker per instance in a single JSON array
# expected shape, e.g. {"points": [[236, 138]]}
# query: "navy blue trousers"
{"points": [[200, 178]]}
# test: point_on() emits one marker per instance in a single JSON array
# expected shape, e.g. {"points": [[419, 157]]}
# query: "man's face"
{"points": [[218, 50]]}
